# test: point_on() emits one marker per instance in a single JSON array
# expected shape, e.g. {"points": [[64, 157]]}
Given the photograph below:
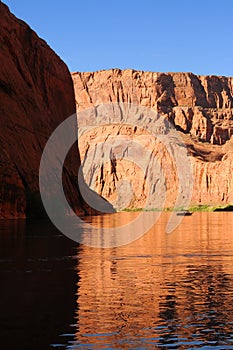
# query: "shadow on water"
{"points": [[37, 284], [227, 208]]}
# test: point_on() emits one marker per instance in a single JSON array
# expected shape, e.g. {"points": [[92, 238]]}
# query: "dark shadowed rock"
{"points": [[36, 95]]}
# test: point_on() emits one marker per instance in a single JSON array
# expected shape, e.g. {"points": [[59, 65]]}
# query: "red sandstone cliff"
{"points": [[201, 107], [36, 95]]}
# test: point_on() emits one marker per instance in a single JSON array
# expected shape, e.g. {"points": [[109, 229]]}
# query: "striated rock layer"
{"points": [[200, 107], [36, 95]]}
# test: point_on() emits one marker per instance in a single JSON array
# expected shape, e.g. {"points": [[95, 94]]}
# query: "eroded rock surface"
{"points": [[200, 107]]}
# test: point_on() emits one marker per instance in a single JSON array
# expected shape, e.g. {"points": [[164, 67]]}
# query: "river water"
{"points": [[170, 291]]}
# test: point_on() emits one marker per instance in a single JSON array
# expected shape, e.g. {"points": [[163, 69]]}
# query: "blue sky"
{"points": [[163, 36]]}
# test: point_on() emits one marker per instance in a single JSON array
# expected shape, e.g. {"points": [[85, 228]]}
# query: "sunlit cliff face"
{"points": [[157, 285], [201, 108], [120, 179]]}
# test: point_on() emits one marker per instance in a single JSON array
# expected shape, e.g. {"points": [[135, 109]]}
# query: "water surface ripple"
{"points": [[171, 291]]}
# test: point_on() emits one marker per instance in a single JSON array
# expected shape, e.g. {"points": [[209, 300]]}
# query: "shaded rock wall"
{"points": [[36, 95]]}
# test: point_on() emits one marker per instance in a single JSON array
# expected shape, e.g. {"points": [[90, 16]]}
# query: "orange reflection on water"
{"points": [[161, 289]]}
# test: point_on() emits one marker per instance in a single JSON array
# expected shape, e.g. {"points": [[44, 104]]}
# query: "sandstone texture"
{"points": [[200, 108], [36, 95]]}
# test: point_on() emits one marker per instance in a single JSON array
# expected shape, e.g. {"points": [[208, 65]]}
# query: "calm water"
{"points": [[162, 291]]}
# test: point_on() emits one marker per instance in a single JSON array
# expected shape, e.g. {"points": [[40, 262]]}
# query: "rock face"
{"points": [[200, 107], [36, 95]]}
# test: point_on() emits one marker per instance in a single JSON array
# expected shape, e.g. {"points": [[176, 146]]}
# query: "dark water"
{"points": [[162, 291]]}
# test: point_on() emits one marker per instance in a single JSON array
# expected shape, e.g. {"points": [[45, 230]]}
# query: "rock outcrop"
{"points": [[36, 95], [199, 105], [201, 109]]}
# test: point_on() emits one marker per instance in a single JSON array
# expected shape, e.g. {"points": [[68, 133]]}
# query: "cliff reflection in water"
{"points": [[161, 290]]}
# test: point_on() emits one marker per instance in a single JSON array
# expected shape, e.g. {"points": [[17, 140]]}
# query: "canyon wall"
{"points": [[36, 95], [200, 108]]}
